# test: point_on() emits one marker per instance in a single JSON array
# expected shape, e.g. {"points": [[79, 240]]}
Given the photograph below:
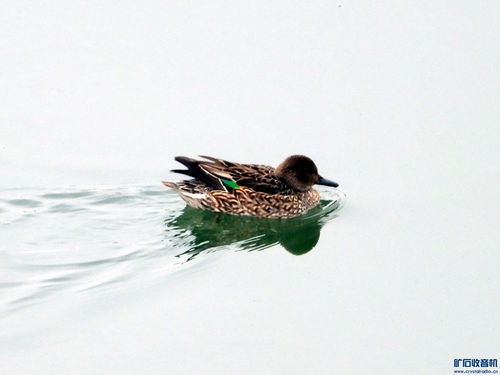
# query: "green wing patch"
{"points": [[231, 184]]}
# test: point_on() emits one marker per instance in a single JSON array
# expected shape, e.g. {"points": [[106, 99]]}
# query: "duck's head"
{"points": [[301, 173]]}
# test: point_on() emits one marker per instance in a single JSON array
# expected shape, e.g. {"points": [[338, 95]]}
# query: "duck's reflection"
{"points": [[209, 231]]}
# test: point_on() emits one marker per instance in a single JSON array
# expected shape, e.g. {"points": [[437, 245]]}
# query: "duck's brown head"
{"points": [[301, 173]]}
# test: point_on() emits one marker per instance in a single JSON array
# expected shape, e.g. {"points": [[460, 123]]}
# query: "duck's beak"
{"points": [[324, 181]]}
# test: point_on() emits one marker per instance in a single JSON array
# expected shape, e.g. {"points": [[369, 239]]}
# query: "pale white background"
{"points": [[398, 101]]}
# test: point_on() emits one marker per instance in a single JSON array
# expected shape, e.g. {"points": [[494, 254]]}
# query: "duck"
{"points": [[250, 189]]}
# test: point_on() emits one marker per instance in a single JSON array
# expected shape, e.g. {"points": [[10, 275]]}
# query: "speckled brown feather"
{"points": [[258, 177]]}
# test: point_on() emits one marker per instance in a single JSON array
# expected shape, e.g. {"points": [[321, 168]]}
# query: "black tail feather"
{"points": [[183, 171], [197, 172]]}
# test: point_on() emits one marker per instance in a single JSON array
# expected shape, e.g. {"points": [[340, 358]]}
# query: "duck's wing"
{"points": [[257, 177], [219, 174]]}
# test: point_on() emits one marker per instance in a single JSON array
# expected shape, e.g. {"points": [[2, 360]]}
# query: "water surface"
{"points": [[59, 241]]}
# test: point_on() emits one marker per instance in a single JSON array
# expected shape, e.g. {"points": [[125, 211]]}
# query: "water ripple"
{"points": [[67, 195], [80, 240], [24, 202]]}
